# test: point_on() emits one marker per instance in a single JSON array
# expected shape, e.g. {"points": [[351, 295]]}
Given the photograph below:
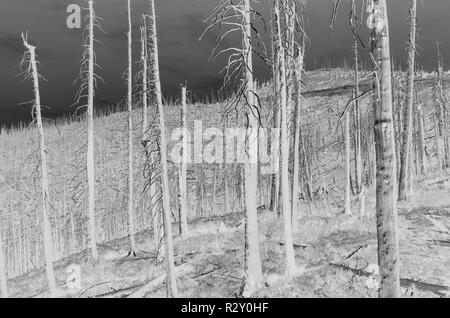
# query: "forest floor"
{"points": [[335, 254]]}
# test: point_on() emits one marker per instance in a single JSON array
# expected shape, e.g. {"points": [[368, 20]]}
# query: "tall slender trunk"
{"points": [[253, 268], [437, 141], [48, 242], [286, 205], [357, 115], [386, 189], [298, 110], [144, 59], [347, 199], [407, 139], [183, 167], [90, 160], [274, 201], [172, 289], [443, 112], [421, 143], [130, 137]]}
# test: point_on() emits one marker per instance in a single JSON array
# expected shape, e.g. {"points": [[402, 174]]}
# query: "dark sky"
{"points": [[182, 56]]}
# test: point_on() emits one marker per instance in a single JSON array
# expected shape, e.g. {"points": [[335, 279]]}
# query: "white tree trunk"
{"points": [[286, 204], [421, 145], [90, 160], [407, 139], [144, 59], [130, 137], [253, 268], [183, 167], [347, 198], [172, 289], [48, 242], [298, 110], [386, 192]]}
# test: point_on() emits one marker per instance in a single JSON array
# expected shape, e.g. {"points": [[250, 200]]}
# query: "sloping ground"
{"points": [[334, 254]]}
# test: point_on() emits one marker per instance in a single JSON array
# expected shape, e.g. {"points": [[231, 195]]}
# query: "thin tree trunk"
{"points": [[286, 205], [296, 181], [386, 190], [90, 163], [421, 144], [48, 243], [130, 138], [253, 268], [172, 289], [437, 141], [407, 139], [183, 167], [347, 199]]}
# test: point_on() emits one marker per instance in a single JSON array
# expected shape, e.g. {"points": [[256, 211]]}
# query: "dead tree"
{"points": [[236, 17], [407, 132], [31, 73], [386, 189], [172, 289], [183, 167], [347, 194], [286, 204]]}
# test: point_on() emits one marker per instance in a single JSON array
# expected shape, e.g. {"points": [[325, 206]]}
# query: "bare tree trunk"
{"points": [[48, 242], [183, 167], [144, 59], [90, 163], [172, 289], [253, 270], [347, 199], [130, 138], [298, 110], [407, 139], [421, 143], [437, 141], [386, 190], [286, 205]]}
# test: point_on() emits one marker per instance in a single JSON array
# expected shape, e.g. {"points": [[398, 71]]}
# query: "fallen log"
{"points": [[439, 290], [154, 283]]}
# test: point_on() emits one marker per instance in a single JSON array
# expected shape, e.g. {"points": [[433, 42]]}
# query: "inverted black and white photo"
{"points": [[219, 149]]}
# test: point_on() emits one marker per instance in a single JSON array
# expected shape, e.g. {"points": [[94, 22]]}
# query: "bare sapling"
{"points": [[31, 72]]}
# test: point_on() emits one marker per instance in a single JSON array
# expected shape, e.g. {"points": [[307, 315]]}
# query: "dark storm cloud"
{"points": [[182, 56]]}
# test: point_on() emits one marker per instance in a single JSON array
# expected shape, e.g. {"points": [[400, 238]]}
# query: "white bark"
{"points": [[48, 243], [90, 160], [253, 270], [172, 289], [347, 198], [407, 139], [286, 204], [183, 167], [130, 137], [386, 192]]}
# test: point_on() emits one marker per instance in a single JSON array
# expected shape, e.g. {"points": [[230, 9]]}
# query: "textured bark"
{"points": [[407, 132], [183, 168], [48, 242], [90, 160], [253, 270], [172, 289], [286, 204], [347, 198], [421, 141], [297, 132], [437, 141], [386, 188], [130, 137]]}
